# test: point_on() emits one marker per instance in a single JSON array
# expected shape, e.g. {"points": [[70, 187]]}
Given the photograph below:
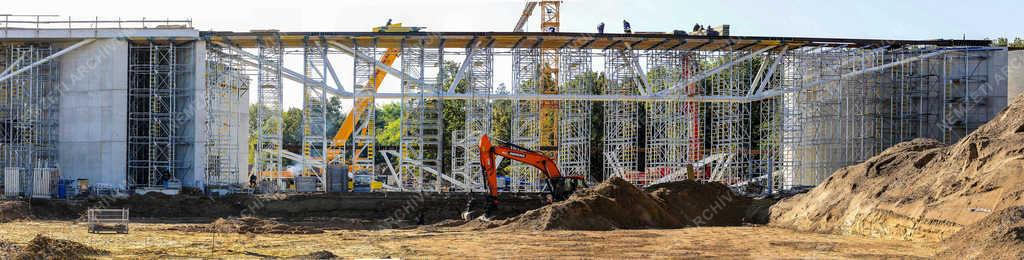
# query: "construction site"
{"points": [[412, 143]]}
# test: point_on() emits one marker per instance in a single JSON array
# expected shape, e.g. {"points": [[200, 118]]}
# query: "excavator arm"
{"points": [[561, 186]]}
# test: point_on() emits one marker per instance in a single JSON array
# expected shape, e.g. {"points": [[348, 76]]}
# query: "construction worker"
{"points": [[600, 28], [626, 28], [388, 24]]}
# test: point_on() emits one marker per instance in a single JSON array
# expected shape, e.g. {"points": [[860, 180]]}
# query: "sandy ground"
{"points": [[154, 241]]}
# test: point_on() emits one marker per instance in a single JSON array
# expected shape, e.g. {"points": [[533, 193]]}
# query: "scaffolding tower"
{"points": [[576, 77], [157, 110], [227, 85], [526, 117], [28, 109], [421, 119], [314, 109], [267, 165], [479, 80], [620, 148], [364, 86]]}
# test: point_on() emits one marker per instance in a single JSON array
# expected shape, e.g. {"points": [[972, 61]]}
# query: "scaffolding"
{"points": [[28, 107], [267, 161], [421, 119], [526, 117], [314, 109], [227, 86], [479, 80], [758, 116], [364, 84], [576, 77], [159, 107], [621, 148]]}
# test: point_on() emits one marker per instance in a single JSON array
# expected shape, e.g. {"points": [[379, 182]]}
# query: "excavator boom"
{"points": [[560, 186]]}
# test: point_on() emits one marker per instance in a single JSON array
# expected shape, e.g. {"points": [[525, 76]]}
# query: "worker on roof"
{"points": [[600, 28], [626, 28], [388, 24]]}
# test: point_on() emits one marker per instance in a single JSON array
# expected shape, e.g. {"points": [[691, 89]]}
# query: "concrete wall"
{"points": [[242, 135], [1015, 73], [196, 109], [94, 112]]}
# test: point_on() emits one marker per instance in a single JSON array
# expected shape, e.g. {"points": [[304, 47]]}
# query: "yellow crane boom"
{"points": [[336, 148]]}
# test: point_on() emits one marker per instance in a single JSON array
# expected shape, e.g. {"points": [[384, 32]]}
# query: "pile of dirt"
{"points": [[702, 203], [617, 204], [250, 225], [8, 249], [921, 189], [1000, 235], [42, 247], [14, 210], [322, 254]]}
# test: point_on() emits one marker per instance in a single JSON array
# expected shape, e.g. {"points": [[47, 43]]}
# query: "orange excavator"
{"points": [[561, 187]]}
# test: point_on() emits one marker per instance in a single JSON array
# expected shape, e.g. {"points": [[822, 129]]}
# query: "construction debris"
{"points": [[920, 190]]}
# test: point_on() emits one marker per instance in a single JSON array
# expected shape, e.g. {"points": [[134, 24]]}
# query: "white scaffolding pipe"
{"points": [[767, 77], [878, 68], [48, 58], [714, 71], [288, 74], [377, 63], [463, 67], [15, 62]]}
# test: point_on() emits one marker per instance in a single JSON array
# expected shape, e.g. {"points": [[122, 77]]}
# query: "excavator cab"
{"points": [[563, 188]]}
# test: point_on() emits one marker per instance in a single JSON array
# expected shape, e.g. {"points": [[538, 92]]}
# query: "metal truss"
{"points": [[268, 160]]}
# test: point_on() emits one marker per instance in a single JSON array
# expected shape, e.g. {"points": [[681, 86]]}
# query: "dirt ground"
{"points": [[161, 241]]}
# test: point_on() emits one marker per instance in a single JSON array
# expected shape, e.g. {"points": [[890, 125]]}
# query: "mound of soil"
{"points": [[617, 204], [42, 247], [322, 254], [250, 225], [14, 210], [921, 189], [8, 249], [998, 236], [702, 203]]}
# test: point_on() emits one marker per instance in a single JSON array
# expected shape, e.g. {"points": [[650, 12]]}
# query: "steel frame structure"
{"points": [[749, 114]]}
